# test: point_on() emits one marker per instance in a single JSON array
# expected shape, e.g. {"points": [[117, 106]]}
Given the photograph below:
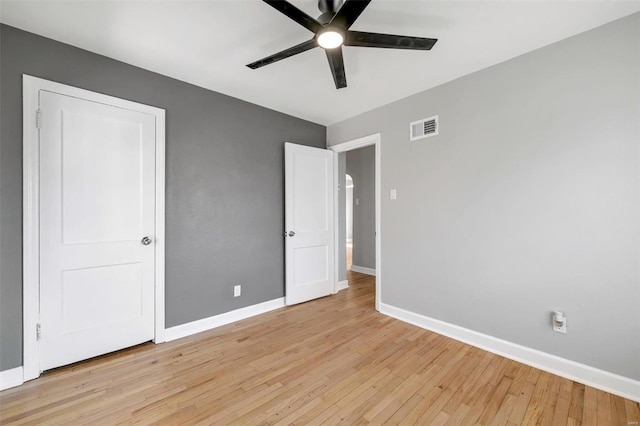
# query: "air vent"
{"points": [[424, 128]]}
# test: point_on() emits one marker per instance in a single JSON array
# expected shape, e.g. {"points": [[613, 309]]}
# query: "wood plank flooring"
{"points": [[330, 361]]}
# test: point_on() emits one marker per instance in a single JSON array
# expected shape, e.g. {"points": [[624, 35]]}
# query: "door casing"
{"points": [[31, 205], [350, 146]]}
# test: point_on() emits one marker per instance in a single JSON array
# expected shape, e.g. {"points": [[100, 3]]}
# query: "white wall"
{"points": [[528, 201]]}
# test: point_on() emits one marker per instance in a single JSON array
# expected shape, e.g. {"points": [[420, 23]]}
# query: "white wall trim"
{"points": [[159, 242], [355, 143], [336, 225], [30, 228], [31, 88], [209, 323], [590, 376], [363, 270], [343, 285], [375, 140], [11, 378]]}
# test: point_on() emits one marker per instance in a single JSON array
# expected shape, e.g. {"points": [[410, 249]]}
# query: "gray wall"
{"points": [[342, 218], [528, 201], [224, 212], [361, 166]]}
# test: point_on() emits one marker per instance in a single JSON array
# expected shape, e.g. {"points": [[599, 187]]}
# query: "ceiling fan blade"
{"points": [[337, 67], [388, 41], [349, 12], [296, 14], [302, 47]]}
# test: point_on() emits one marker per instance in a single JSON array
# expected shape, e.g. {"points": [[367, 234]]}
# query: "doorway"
{"points": [[360, 165], [340, 215]]}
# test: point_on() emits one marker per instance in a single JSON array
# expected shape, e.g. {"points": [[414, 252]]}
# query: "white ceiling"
{"points": [[208, 43]]}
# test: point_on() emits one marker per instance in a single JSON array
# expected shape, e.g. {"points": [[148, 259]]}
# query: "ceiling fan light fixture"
{"points": [[332, 30], [330, 39]]}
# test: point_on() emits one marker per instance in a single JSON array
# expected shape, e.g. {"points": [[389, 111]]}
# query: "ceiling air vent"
{"points": [[424, 128]]}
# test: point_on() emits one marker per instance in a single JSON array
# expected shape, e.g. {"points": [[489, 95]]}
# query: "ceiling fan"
{"points": [[331, 32]]}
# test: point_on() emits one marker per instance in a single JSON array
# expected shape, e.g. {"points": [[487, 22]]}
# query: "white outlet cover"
{"points": [[559, 328], [393, 194]]}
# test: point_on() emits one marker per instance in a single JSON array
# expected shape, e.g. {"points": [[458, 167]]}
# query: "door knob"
{"points": [[291, 233], [146, 241]]}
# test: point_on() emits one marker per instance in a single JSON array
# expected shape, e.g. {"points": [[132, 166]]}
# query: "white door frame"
{"points": [[350, 146], [31, 87]]}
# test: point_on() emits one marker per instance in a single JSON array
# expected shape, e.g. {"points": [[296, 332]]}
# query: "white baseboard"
{"points": [[363, 270], [590, 376], [11, 378], [343, 284], [205, 324]]}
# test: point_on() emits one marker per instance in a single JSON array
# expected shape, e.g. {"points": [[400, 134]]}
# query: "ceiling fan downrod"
{"points": [[328, 8], [329, 5]]}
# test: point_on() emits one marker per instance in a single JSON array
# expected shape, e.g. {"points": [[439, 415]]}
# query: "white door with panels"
{"points": [[97, 224], [309, 223]]}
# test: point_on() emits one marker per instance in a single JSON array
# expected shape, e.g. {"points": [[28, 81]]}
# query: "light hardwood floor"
{"points": [[330, 361]]}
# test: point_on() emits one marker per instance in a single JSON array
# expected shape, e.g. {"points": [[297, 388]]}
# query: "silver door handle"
{"points": [[291, 233], [146, 241]]}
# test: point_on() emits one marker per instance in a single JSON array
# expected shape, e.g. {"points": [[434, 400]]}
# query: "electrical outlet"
{"points": [[237, 290], [560, 328], [559, 322]]}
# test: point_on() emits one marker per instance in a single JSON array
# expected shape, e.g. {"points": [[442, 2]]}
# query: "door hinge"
{"points": [[39, 118], [38, 331]]}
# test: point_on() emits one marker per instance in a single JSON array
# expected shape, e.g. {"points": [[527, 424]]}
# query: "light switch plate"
{"points": [[393, 194]]}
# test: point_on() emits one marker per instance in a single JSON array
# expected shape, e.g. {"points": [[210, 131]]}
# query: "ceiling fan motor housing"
{"points": [[326, 17]]}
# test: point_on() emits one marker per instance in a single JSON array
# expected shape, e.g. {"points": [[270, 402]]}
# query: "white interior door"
{"points": [[309, 221], [97, 201]]}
